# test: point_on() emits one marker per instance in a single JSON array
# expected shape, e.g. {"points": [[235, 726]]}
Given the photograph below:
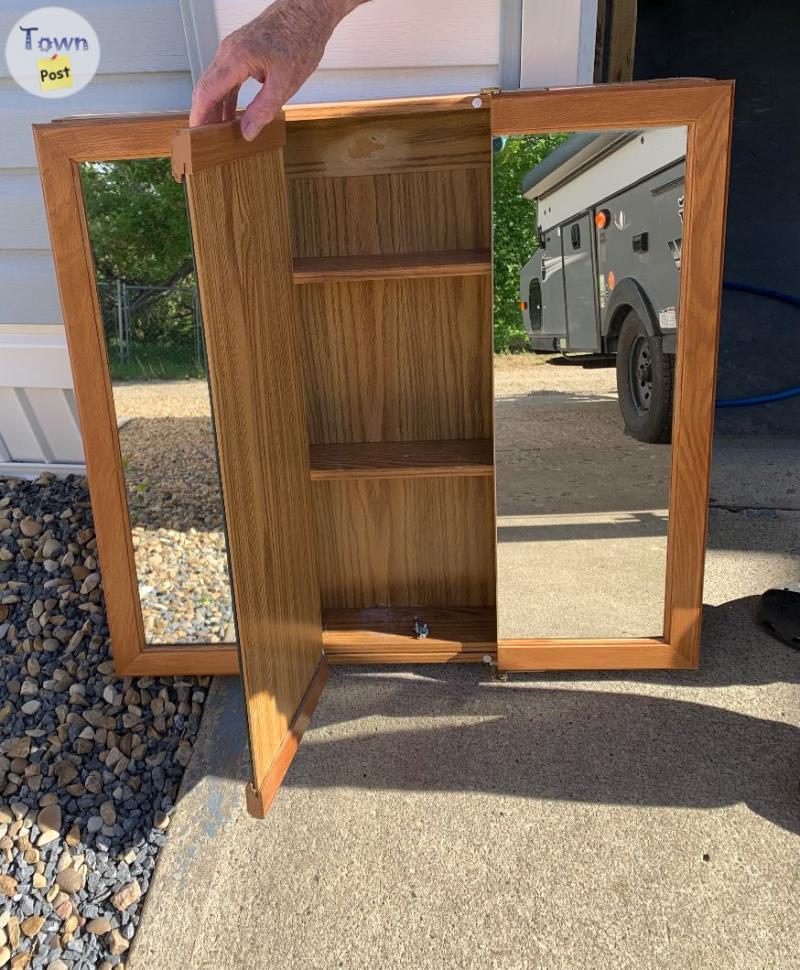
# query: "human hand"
{"points": [[280, 48]]}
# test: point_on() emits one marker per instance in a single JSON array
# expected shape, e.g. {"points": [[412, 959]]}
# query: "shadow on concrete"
{"points": [[600, 747], [535, 736], [631, 525]]}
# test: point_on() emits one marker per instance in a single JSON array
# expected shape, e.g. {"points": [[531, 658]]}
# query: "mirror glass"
{"points": [[586, 250], [139, 233]]}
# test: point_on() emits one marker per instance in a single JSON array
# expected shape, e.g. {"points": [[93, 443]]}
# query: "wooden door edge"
{"points": [[196, 149], [259, 799], [533, 656]]}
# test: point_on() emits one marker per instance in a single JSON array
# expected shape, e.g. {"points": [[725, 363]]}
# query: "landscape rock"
{"points": [[117, 944], [89, 765], [70, 881], [49, 823], [126, 896], [31, 926], [8, 885], [29, 527]]}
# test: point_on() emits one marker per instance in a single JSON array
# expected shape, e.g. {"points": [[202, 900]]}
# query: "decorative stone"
{"points": [[99, 926], [160, 821], [8, 886], [117, 944], [29, 527], [91, 582], [31, 926], [70, 881], [51, 548], [108, 813], [17, 748], [49, 822], [126, 896]]}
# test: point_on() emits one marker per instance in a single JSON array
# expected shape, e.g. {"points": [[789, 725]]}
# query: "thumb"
{"points": [[263, 108]]}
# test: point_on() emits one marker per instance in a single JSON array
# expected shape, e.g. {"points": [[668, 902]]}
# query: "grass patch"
{"points": [[149, 363]]}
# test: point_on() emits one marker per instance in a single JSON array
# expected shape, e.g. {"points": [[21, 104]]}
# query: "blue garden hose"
{"points": [[746, 402]]}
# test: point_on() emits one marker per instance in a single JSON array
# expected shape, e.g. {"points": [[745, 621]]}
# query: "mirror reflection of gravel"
{"points": [[171, 475]]}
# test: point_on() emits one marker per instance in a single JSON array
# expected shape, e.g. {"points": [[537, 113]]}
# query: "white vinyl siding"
{"points": [[144, 66], [150, 49], [385, 48]]}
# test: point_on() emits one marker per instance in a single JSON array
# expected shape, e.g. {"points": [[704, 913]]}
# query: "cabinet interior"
{"points": [[390, 222]]}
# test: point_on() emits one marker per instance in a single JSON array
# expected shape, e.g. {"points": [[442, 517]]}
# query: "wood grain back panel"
{"points": [[370, 215], [394, 360], [403, 142], [405, 542], [241, 238]]}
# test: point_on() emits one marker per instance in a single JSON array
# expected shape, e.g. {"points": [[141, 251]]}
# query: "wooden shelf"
{"points": [[340, 269], [464, 634], [402, 459]]}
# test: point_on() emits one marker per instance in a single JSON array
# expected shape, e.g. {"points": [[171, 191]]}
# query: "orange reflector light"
{"points": [[602, 218], [523, 305], [612, 280]]}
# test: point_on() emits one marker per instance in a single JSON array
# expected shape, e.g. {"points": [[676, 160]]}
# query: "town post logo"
{"points": [[52, 52]]}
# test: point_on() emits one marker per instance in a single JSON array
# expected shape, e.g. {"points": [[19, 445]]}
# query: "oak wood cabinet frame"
{"points": [[704, 107]]}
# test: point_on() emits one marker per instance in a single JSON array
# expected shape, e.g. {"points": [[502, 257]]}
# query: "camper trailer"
{"points": [[604, 279]]}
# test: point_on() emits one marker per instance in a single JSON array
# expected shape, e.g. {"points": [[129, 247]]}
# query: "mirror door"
{"points": [[583, 399], [155, 351], [591, 366]]}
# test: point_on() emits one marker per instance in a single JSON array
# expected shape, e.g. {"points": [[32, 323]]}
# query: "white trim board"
{"points": [[32, 469], [38, 418], [557, 42], [34, 356]]}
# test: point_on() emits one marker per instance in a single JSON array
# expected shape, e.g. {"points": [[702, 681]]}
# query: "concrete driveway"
{"points": [[582, 506], [437, 818]]}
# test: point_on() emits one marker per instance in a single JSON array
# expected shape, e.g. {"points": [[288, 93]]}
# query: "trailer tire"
{"points": [[644, 382]]}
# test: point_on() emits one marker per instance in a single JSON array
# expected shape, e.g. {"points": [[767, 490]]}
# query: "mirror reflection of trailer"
{"points": [[604, 279]]}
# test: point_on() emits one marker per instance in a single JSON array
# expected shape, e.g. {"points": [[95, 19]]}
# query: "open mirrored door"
{"points": [[238, 214], [608, 229]]}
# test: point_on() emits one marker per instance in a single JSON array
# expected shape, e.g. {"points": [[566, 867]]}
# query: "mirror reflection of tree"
{"points": [[514, 240], [138, 228]]}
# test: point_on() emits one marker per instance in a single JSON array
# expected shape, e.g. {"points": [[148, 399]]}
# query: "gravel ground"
{"points": [[90, 763], [170, 464]]}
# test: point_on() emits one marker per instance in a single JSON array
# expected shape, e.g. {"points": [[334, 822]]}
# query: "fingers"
{"points": [[263, 108], [229, 105], [222, 78]]}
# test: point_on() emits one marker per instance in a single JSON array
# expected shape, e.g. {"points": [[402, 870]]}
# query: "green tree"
{"points": [[514, 239], [136, 213], [139, 233]]}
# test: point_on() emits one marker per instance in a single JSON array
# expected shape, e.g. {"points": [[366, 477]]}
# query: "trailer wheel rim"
{"points": [[640, 375]]}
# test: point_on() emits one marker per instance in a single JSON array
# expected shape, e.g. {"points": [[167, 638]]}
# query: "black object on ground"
{"points": [[779, 613]]}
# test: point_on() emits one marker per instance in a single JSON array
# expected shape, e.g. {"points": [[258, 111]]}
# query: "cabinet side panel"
{"points": [[405, 542], [241, 238]]}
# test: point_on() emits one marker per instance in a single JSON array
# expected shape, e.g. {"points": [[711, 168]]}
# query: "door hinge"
{"points": [[494, 669]]}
